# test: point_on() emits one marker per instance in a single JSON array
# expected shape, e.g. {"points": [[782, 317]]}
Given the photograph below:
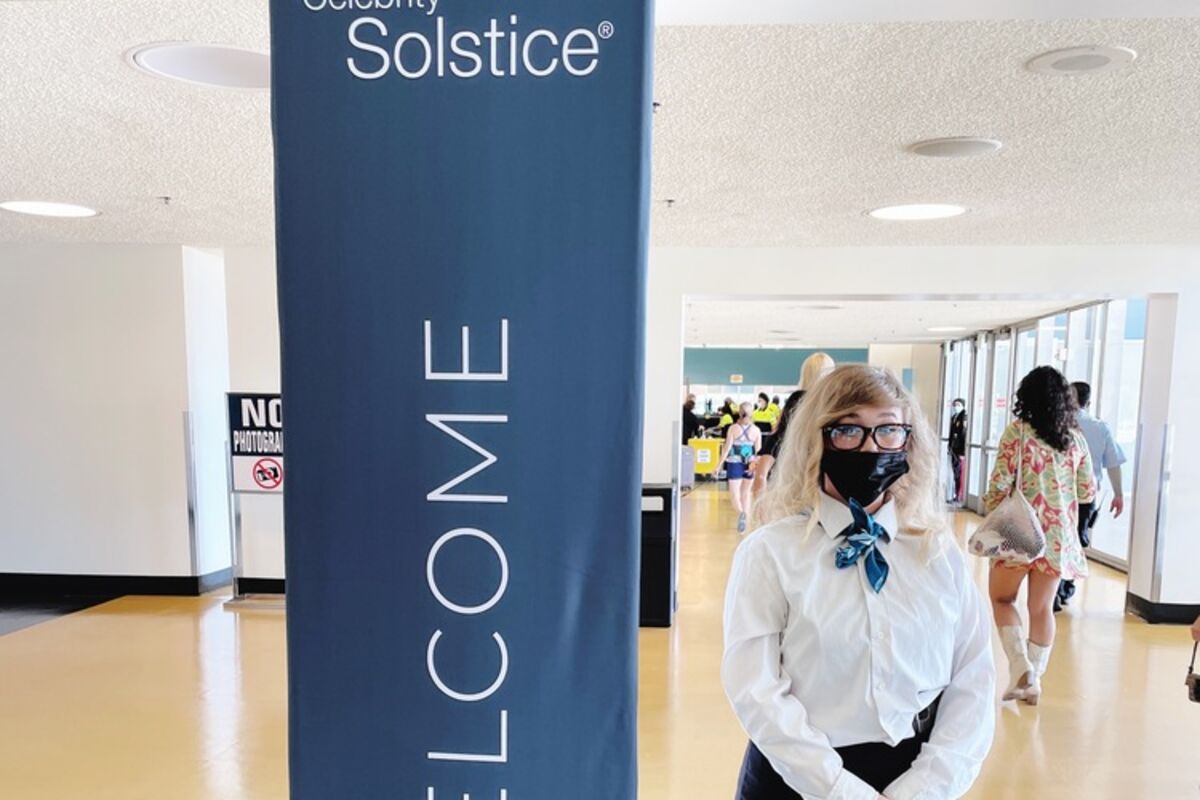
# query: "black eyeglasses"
{"points": [[889, 438]]}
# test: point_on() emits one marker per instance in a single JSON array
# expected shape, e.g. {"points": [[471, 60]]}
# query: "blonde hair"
{"points": [[796, 480], [813, 369]]}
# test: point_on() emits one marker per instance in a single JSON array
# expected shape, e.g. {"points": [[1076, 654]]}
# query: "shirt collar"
{"points": [[835, 516]]}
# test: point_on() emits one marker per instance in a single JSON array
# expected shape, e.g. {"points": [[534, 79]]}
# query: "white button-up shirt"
{"points": [[816, 659]]}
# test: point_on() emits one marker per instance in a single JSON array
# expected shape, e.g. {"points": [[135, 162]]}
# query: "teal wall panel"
{"points": [[763, 367]]}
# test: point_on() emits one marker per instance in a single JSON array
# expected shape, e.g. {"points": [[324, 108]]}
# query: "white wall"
{"points": [[254, 367], [208, 381], [93, 363], [925, 361], [1067, 273], [927, 378]]}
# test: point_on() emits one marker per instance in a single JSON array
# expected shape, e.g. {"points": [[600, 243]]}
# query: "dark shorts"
{"points": [[736, 471]]}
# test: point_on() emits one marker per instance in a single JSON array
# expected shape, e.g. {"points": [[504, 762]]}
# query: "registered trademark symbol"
{"points": [[606, 30]]}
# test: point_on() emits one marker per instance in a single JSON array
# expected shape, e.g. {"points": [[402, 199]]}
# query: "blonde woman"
{"points": [[857, 649], [815, 367], [743, 440], [812, 370]]}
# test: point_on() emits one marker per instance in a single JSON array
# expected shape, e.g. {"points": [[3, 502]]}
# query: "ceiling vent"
{"points": [[956, 147], [1085, 60]]}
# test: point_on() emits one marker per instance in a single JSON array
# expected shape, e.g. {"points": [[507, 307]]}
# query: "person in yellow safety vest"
{"points": [[773, 407], [728, 412], [762, 411]]}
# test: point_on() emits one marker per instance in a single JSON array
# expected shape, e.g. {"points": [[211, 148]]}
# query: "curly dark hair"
{"points": [[1046, 402]]}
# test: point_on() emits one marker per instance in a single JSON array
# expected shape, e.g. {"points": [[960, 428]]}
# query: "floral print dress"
{"points": [[1054, 483]]}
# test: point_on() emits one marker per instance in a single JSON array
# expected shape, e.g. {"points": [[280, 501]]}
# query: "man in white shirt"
{"points": [[1106, 456]]}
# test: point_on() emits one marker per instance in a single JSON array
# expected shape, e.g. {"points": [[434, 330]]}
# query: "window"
{"points": [[1083, 349], [1052, 342], [1002, 391], [1117, 401], [1026, 354]]}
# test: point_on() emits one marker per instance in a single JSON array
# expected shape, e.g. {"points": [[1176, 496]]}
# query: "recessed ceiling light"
{"points": [[1085, 60], [42, 208], [947, 329], [914, 212], [211, 65], [956, 147]]}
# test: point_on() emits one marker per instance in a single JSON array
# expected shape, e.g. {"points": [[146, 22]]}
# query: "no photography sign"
{"points": [[256, 443]]}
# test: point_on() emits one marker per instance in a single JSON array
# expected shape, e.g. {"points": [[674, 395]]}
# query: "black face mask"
{"points": [[862, 475]]}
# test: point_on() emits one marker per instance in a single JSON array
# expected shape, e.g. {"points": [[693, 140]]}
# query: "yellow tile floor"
{"points": [[177, 699]]}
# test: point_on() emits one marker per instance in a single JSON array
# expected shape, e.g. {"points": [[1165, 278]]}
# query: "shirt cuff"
{"points": [[849, 786], [911, 786]]}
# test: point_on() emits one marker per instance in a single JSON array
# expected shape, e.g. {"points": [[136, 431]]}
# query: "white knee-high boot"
{"points": [[1039, 656], [1020, 668]]}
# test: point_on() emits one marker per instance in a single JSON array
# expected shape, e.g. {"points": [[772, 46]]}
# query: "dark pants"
{"points": [[1087, 519], [876, 763], [956, 467]]}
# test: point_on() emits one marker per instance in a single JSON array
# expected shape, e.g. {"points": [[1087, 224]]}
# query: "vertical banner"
{"points": [[461, 196]]}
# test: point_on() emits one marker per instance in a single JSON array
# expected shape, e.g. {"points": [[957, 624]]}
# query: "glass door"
{"points": [[1116, 401], [1083, 345], [977, 412], [999, 403], [959, 361], [1026, 353], [1052, 342]]}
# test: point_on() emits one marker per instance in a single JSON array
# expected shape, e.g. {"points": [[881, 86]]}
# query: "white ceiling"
{"points": [[785, 135], [772, 12], [798, 322], [768, 136]]}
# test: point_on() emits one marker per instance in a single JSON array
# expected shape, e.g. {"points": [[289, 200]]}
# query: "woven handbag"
{"points": [[1012, 532]]}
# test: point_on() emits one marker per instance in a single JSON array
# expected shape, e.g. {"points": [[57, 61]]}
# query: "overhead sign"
{"points": [[736, 379], [256, 443], [462, 217]]}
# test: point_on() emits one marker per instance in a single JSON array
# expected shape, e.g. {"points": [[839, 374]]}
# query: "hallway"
{"points": [[177, 698]]}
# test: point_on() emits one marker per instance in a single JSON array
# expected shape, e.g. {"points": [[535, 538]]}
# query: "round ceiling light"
{"points": [[916, 212], [43, 208], [956, 147], [212, 65], [1085, 60]]}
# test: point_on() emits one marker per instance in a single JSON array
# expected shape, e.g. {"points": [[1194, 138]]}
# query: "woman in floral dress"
{"points": [[1056, 476]]}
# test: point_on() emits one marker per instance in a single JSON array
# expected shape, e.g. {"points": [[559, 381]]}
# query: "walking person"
{"points": [[1106, 455], [1046, 448], [762, 409], [771, 444], [742, 443], [958, 445], [815, 367], [729, 414], [692, 426], [857, 649]]}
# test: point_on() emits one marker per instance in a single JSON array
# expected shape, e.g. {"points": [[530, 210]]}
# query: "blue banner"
{"points": [[461, 196]]}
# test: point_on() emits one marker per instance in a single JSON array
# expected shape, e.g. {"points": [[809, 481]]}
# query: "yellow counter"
{"points": [[707, 451]]}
